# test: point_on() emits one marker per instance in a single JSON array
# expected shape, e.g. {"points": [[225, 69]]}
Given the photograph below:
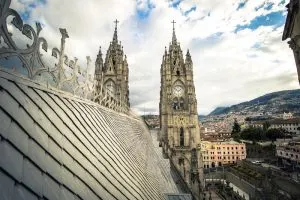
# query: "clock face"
{"points": [[178, 91]]}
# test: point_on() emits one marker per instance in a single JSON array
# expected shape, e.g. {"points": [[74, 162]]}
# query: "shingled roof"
{"points": [[58, 146]]}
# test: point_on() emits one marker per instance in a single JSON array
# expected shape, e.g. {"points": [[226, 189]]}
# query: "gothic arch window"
{"points": [[178, 72], [181, 137]]}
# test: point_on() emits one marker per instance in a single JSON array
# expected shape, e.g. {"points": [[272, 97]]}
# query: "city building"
{"points": [[215, 154], [288, 115], [179, 129], [208, 134], [290, 125], [289, 153], [292, 30]]}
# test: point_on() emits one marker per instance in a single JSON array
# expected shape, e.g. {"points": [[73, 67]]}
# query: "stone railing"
{"points": [[62, 74]]}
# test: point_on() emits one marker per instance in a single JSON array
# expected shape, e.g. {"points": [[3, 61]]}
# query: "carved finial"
{"points": [[64, 33], [60, 75], [188, 53], [100, 52]]}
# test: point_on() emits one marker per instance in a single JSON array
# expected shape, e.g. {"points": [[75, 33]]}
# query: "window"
{"points": [[175, 104], [181, 137]]}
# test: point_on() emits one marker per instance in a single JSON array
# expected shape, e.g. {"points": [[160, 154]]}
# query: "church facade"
{"points": [[179, 128], [111, 75]]}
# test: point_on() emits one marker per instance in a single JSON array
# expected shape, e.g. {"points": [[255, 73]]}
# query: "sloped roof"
{"points": [[59, 146]]}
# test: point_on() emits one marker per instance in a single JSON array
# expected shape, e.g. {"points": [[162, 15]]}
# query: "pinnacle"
{"points": [[188, 53], [115, 37], [174, 39], [100, 52]]}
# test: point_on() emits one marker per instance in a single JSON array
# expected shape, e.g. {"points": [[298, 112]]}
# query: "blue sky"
{"points": [[234, 43]]}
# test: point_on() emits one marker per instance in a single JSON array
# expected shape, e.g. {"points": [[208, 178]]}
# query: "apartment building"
{"points": [[289, 153], [215, 154]]}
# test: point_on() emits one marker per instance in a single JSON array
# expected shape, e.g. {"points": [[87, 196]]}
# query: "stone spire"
{"points": [[99, 61], [188, 56], [115, 38], [99, 56], [174, 39]]}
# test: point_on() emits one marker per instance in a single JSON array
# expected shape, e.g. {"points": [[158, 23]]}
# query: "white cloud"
{"points": [[227, 69]]}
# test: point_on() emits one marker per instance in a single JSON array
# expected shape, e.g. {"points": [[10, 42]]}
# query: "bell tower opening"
{"points": [[181, 137]]}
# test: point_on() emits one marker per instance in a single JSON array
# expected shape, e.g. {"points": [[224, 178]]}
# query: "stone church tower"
{"points": [[111, 76], [180, 134]]}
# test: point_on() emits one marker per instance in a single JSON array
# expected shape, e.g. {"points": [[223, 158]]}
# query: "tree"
{"points": [[253, 133], [236, 128], [274, 133], [266, 125]]}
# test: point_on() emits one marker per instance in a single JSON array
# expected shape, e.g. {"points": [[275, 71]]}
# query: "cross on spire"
{"points": [[174, 39], [173, 22], [116, 22]]}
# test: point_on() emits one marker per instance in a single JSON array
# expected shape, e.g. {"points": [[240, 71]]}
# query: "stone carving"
{"points": [[65, 74]]}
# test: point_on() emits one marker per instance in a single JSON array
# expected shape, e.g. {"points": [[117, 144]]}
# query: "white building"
{"points": [[290, 125]]}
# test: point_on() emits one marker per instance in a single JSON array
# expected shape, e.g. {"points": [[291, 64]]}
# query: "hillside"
{"points": [[272, 103]]}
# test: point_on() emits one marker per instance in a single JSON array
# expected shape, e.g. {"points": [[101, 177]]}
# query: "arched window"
{"points": [[178, 72], [175, 104], [181, 137]]}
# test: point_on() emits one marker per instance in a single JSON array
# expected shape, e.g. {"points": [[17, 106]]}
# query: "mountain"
{"points": [[272, 103], [219, 110]]}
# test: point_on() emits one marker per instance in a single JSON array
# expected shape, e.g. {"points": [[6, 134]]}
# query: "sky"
{"points": [[235, 45]]}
